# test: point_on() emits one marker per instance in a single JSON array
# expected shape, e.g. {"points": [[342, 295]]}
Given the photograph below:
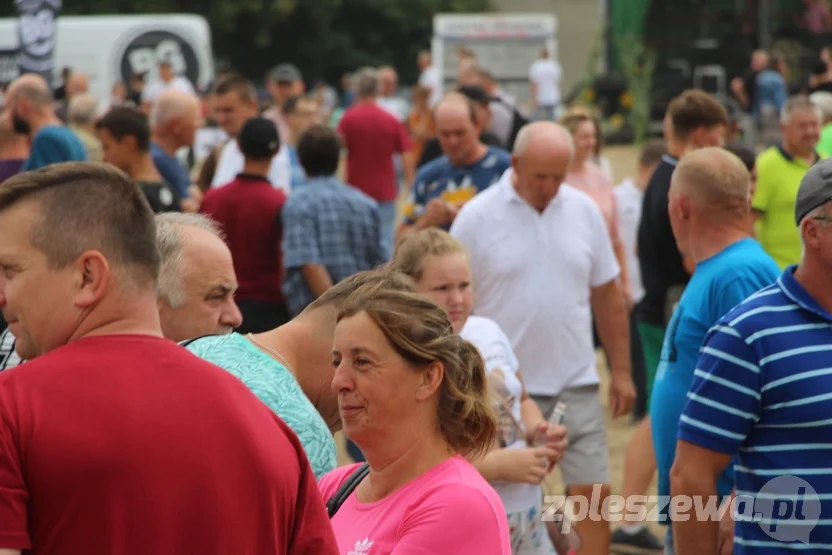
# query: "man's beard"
{"points": [[20, 125]]}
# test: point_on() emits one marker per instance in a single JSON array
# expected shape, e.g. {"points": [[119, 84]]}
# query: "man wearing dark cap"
{"points": [[482, 113], [761, 395], [248, 211], [283, 82]]}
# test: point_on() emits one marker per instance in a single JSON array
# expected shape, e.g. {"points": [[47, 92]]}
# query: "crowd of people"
{"points": [[184, 339]]}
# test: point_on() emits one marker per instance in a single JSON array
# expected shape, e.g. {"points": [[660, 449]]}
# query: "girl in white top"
{"points": [[515, 467]]}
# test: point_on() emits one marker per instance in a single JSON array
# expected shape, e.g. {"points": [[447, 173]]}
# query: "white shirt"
{"points": [[502, 367], [628, 200], [231, 163], [395, 106], [178, 83], [546, 74], [207, 139], [430, 80], [534, 274]]}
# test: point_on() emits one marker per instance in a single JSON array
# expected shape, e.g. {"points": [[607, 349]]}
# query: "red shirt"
{"points": [[372, 136], [248, 210], [131, 445]]}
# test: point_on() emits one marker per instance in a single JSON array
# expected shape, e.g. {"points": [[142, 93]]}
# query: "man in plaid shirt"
{"points": [[330, 230]]}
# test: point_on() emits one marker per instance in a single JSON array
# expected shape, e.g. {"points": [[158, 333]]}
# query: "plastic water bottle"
{"points": [[555, 419]]}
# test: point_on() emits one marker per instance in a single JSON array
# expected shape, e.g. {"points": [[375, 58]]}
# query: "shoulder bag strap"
{"points": [[346, 489]]}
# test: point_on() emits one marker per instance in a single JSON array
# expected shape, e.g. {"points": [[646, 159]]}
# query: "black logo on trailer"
{"points": [[36, 33], [9, 68], [145, 51]]}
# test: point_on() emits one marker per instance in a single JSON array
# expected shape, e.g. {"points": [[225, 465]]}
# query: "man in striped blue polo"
{"points": [[762, 392]]}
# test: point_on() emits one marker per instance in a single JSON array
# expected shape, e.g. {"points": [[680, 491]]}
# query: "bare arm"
{"points": [[490, 466], [317, 277], [529, 411], [621, 257], [738, 88], [694, 473], [613, 328], [437, 213], [10, 552], [533, 93]]}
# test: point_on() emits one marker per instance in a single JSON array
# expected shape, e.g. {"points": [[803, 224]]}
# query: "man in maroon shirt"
{"points": [[372, 136], [114, 440], [248, 211]]}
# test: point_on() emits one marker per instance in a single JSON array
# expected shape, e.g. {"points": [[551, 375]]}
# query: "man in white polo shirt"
{"points": [[235, 102], [543, 264]]}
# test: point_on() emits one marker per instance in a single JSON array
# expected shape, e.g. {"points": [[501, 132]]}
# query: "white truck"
{"points": [[504, 44]]}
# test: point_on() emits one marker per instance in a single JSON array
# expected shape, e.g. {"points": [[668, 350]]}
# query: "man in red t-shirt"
{"points": [[248, 211], [113, 440], [372, 136]]}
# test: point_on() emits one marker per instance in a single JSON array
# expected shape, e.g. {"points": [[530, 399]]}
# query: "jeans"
{"points": [[387, 215]]}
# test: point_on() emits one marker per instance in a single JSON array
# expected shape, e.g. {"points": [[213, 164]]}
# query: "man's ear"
{"points": [[93, 274]]}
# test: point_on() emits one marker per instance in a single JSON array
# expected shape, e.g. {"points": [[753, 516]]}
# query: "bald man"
{"points": [[709, 210], [467, 168], [29, 101], [542, 263], [174, 119], [388, 98]]}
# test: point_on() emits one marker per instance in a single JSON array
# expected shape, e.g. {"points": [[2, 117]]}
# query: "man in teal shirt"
{"points": [[709, 213], [288, 368], [30, 104]]}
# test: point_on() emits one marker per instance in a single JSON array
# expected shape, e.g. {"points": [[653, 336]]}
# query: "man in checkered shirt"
{"points": [[330, 230]]}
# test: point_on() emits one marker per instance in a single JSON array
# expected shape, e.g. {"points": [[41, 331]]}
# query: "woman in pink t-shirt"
{"points": [[585, 176], [412, 395]]}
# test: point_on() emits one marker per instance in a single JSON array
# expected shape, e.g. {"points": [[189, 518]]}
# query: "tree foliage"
{"points": [[324, 38]]}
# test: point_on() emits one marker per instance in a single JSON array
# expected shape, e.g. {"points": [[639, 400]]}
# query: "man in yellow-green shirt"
{"points": [[779, 172]]}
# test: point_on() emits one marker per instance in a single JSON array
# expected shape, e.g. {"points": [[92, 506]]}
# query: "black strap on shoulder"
{"points": [[189, 341], [346, 489]]}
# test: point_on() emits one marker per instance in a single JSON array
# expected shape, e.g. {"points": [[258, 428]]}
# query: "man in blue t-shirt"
{"points": [[174, 118], [709, 211], [301, 112], [467, 168], [762, 397], [30, 103]]}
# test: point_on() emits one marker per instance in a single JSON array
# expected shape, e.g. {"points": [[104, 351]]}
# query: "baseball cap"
{"points": [[475, 93], [285, 73], [259, 139], [815, 189]]}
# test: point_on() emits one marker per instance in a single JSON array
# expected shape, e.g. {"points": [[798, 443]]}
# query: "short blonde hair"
{"points": [[411, 252], [712, 176], [421, 333]]}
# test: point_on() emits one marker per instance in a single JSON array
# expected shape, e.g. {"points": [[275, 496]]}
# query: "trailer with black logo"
{"points": [[113, 48]]}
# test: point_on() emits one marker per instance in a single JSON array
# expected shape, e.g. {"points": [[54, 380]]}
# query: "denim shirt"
{"points": [[771, 91]]}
